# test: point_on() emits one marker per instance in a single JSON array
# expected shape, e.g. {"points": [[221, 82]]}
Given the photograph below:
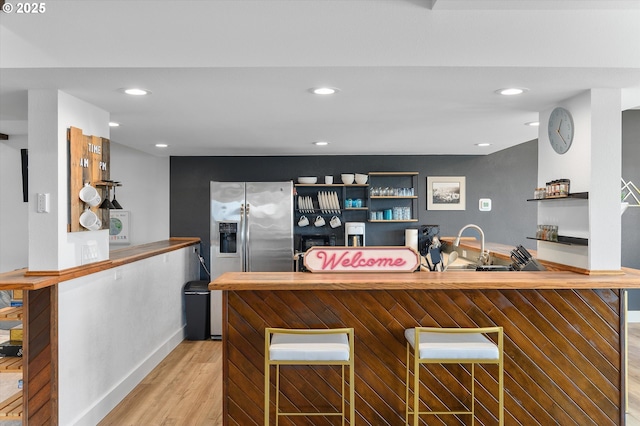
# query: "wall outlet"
{"points": [[43, 203], [118, 274]]}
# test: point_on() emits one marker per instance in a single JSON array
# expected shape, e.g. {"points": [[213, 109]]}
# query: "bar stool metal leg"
{"points": [[430, 345], [309, 347]]}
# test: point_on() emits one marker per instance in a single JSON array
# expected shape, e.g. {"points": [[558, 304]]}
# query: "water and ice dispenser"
{"points": [[228, 237]]}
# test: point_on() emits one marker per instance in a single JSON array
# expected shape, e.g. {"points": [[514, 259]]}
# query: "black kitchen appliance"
{"points": [[305, 242], [308, 241]]}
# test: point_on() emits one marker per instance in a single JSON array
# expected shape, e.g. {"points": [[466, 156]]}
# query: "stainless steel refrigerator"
{"points": [[251, 231]]}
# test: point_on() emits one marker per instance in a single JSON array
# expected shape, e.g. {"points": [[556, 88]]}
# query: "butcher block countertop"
{"points": [[23, 279], [461, 280]]}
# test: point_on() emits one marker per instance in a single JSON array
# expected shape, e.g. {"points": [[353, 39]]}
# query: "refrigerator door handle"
{"points": [[247, 236]]}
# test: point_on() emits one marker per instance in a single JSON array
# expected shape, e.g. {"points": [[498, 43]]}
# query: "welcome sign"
{"points": [[361, 259]]}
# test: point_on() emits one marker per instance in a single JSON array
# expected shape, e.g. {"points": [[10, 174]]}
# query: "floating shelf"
{"points": [[331, 184], [392, 221], [570, 241], [575, 195], [388, 197]]}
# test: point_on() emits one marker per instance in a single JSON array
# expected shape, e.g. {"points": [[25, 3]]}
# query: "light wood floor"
{"points": [[186, 388]]}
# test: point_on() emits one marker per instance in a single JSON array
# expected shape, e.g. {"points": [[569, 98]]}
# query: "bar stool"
{"points": [[308, 347], [430, 345]]}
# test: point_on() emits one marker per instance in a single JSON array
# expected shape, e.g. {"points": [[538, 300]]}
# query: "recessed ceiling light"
{"points": [[114, 124], [161, 145], [136, 92], [321, 143], [483, 144], [323, 90], [510, 91], [532, 123]]}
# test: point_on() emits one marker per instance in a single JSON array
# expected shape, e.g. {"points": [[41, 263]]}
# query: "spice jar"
{"points": [[564, 187]]}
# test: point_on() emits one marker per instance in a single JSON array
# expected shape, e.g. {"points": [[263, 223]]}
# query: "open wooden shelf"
{"points": [[11, 364], [11, 408], [11, 313]]}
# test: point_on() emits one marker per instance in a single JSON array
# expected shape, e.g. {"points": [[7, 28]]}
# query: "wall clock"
{"points": [[560, 130]]}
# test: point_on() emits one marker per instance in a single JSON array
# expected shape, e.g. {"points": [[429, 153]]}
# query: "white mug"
{"points": [[319, 221], [335, 222], [89, 195], [90, 220], [303, 221], [328, 180]]}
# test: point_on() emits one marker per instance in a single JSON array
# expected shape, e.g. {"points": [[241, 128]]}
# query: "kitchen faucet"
{"points": [[483, 259]]}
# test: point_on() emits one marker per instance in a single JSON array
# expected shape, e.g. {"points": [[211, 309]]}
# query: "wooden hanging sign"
{"points": [[361, 259], [89, 158]]}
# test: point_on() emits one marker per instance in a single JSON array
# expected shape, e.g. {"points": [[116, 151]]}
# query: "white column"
{"points": [[51, 113], [606, 170]]}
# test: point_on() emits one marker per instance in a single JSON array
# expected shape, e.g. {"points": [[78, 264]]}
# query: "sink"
{"points": [[479, 268], [462, 267], [494, 268]]}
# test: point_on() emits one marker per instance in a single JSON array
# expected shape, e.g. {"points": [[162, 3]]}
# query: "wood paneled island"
{"points": [[564, 341]]}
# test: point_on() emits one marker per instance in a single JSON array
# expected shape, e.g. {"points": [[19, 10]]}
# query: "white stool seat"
{"points": [[453, 346], [309, 347]]}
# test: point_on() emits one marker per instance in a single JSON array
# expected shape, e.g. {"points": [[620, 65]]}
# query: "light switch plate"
{"points": [[485, 204]]}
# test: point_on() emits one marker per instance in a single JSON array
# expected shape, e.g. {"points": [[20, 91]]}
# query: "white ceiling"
{"points": [[231, 77]]}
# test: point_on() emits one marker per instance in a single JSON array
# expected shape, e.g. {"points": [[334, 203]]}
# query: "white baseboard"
{"points": [[633, 316], [114, 396]]}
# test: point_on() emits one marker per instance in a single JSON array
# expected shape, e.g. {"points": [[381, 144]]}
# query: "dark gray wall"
{"points": [[507, 177], [631, 218]]}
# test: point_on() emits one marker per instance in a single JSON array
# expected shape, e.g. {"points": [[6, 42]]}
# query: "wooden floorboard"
{"points": [[186, 388]]}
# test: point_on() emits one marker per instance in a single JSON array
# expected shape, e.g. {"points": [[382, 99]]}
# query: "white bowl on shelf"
{"points": [[347, 178], [307, 179], [361, 179]]}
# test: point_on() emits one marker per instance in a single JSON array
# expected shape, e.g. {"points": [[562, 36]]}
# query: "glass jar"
{"points": [[564, 187]]}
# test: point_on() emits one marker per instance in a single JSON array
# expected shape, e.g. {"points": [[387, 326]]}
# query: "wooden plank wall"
{"points": [[91, 173], [562, 354], [41, 353]]}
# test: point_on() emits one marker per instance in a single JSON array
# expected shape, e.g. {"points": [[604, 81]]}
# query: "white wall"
{"points": [[14, 252], [144, 192], [114, 327]]}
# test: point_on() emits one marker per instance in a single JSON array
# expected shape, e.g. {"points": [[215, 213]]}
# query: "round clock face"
{"points": [[560, 130]]}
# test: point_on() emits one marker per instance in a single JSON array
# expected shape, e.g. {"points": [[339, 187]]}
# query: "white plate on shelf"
{"points": [[335, 202]]}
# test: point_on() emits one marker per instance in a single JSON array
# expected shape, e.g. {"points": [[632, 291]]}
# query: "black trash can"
{"points": [[197, 302]]}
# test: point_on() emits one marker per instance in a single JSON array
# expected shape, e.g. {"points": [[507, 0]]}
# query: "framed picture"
{"points": [[446, 193], [119, 227]]}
